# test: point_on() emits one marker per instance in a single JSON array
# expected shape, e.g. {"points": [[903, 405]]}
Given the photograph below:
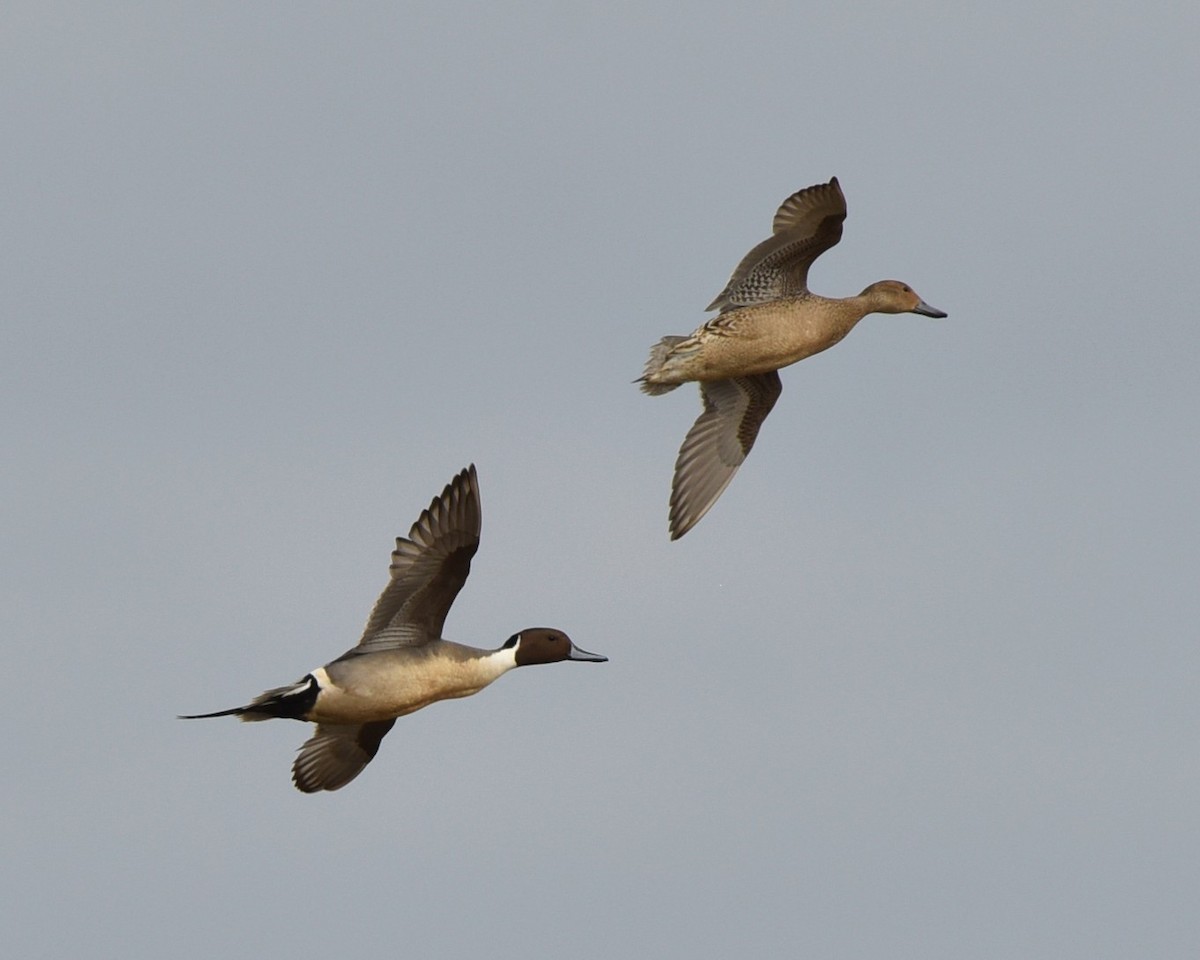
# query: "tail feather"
{"points": [[204, 716], [654, 367], [292, 702]]}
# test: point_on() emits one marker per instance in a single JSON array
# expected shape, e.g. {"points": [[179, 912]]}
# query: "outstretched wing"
{"points": [[336, 754], [718, 443], [807, 224], [429, 567]]}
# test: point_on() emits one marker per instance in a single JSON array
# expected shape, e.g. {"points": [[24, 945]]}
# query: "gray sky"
{"points": [[922, 684]]}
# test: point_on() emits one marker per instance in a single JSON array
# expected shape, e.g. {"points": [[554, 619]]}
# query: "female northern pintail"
{"points": [[402, 664], [768, 319]]}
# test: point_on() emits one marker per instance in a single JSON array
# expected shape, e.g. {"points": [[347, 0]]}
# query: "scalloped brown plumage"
{"points": [[768, 320]]}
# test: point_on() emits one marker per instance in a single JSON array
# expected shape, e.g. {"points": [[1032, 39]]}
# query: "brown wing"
{"points": [[807, 224], [718, 444], [336, 754], [428, 569]]}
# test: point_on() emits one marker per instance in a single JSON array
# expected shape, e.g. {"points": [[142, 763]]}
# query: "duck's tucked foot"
{"points": [[657, 378]]}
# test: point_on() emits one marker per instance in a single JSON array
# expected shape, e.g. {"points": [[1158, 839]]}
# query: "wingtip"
{"points": [[680, 525], [465, 482]]}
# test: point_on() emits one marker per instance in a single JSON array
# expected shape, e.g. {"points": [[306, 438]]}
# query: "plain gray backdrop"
{"points": [[921, 685]]}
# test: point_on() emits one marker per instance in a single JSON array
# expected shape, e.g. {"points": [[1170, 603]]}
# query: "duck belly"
{"points": [[350, 695]]}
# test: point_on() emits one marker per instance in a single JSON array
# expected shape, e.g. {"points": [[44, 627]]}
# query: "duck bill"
{"points": [[577, 654], [926, 310]]}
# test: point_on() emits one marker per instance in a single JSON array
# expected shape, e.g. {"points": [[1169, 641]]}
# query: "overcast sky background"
{"points": [[922, 684]]}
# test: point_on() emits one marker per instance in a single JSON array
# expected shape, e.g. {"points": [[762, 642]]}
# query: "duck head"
{"points": [[547, 645], [894, 296]]}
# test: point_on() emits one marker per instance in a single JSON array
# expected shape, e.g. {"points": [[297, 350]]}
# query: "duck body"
{"points": [[402, 663], [750, 340], [393, 683], [768, 320]]}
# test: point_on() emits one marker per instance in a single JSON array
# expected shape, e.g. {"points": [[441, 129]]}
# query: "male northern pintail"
{"points": [[402, 664], [768, 319]]}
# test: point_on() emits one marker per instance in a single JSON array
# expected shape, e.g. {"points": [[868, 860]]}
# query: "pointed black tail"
{"points": [[204, 716], [290, 703]]}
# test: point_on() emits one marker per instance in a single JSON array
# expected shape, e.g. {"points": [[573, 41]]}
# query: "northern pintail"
{"points": [[402, 664], [768, 319]]}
